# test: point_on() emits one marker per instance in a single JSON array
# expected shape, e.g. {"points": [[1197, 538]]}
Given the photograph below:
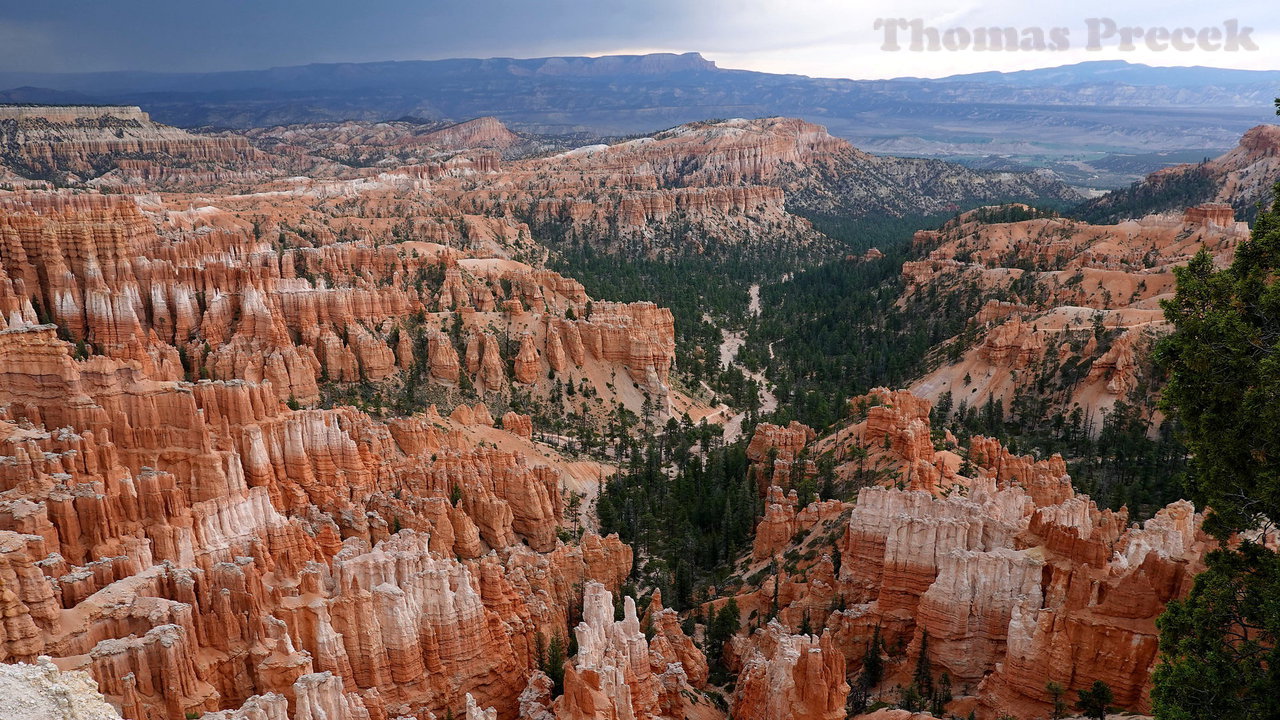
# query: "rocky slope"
{"points": [[43, 692], [1071, 309], [769, 160], [388, 144], [987, 559]]}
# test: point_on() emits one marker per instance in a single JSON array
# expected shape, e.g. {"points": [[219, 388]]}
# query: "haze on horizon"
{"points": [[820, 38]]}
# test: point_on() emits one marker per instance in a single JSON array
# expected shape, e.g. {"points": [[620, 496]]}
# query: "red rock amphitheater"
{"points": [[268, 452]]}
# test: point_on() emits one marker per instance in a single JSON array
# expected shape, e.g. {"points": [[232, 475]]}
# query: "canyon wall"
{"points": [[1014, 579]]}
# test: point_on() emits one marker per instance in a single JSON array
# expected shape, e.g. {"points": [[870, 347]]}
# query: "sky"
{"points": [[821, 38]]}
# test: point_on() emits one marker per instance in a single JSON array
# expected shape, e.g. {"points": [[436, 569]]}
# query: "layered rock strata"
{"points": [[1014, 578]]}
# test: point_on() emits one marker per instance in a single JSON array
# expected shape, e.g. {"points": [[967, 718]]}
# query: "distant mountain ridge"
{"points": [[1031, 119], [361, 75], [1126, 73]]}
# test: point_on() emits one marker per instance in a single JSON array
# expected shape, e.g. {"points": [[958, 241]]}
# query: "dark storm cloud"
{"points": [[179, 35], [833, 38]]}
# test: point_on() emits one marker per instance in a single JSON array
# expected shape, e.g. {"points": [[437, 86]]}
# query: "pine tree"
{"points": [[723, 625], [872, 663], [1220, 646], [1056, 692], [942, 695], [1096, 701], [923, 677], [555, 664]]}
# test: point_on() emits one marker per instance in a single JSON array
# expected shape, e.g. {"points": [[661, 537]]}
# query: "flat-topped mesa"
{"points": [[72, 113], [119, 146]]}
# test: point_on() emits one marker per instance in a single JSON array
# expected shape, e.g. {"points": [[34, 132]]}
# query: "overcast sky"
{"points": [[824, 38]]}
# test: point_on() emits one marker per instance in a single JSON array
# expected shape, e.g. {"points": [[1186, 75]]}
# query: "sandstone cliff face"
{"points": [[774, 450], [785, 519], [1016, 580], [163, 289], [714, 177], [618, 674], [219, 572], [890, 442], [791, 676]]}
